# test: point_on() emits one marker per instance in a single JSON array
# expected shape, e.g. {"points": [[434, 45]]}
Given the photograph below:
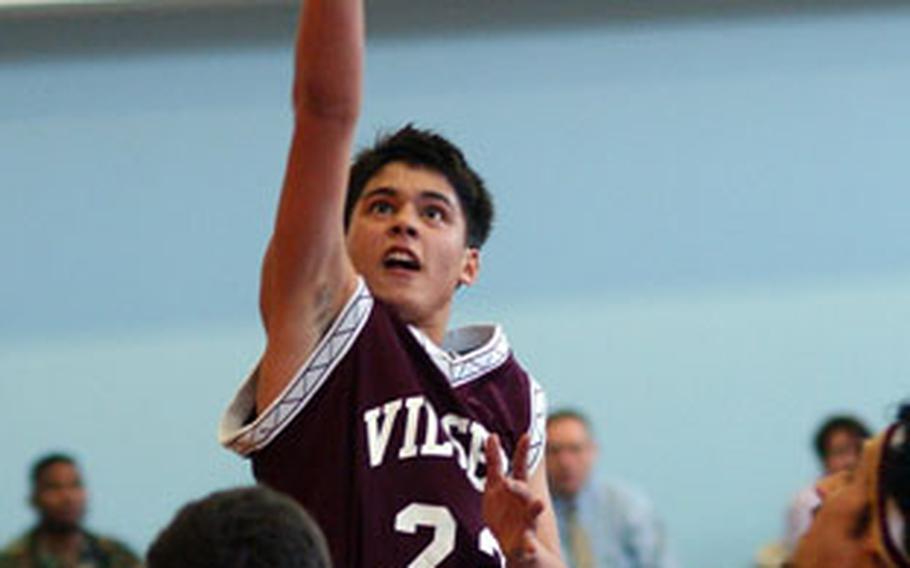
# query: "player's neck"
{"points": [[435, 326]]}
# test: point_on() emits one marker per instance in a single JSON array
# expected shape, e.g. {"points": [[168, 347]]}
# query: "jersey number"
{"points": [[442, 522]]}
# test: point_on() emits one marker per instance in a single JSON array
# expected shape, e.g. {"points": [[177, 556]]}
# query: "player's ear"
{"points": [[470, 266]]}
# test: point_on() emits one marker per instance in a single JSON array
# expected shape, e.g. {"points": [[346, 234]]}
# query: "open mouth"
{"points": [[401, 259]]}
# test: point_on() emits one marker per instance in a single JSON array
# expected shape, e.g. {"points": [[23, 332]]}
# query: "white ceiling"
{"points": [[64, 6]]}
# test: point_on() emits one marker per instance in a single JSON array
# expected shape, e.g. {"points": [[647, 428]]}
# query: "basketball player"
{"points": [[393, 433]]}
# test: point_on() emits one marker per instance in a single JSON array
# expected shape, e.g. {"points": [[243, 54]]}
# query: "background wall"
{"points": [[701, 236]]}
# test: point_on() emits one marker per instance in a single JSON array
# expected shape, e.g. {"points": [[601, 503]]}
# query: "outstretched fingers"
{"points": [[516, 483], [520, 458], [510, 508], [535, 508], [493, 452]]}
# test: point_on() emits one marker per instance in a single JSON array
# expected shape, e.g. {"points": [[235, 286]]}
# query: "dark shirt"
{"points": [[96, 552]]}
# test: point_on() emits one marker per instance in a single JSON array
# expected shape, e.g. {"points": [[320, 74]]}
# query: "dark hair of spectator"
{"points": [[426, 149], [46, 461], [251, 527], [838, 423], [570, 414]]}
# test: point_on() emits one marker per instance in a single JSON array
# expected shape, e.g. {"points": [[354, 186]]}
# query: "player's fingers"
{"points": [[523, 550], [528, 544], [494, 463], [534, 510], [519, 489], [531, 544], [520, 458]]}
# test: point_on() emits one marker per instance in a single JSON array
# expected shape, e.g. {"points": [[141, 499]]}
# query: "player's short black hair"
{"points": [[570, 414], [422, 148], [837, 423], [250, 527], [46, 461], [895, 471]]}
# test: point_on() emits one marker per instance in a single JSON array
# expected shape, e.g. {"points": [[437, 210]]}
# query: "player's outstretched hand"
{"points": [[509, 508]]}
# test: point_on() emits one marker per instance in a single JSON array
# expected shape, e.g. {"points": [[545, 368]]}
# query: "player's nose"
{"points": [[404, 229], [404, 223]]}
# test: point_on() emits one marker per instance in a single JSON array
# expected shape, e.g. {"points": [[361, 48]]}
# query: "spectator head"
{"points": [[250, 527], [839, 441], [570, 452], [57, 493]]}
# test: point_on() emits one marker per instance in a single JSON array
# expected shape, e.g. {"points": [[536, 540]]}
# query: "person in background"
{"points": [[600, 524], [251, 527], [59, 539], [838, 443], [862, 519]]}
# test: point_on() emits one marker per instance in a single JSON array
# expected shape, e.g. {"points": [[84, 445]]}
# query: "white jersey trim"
{"points": [[470, 352], [244, 438], [467, 352], [537, 428]]}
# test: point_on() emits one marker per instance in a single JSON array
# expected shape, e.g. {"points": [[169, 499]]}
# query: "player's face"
{"points": [[841, 533], [842, 451], [407, 237], [60, 497], [570, 456]]}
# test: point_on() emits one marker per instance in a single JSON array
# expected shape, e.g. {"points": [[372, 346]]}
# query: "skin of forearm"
{"points": [[329, 58]]}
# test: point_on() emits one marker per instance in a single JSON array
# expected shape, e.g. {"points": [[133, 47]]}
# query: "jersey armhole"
{"points": [[244, 432]]}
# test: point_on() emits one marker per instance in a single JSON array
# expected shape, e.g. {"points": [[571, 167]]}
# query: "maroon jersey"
{"points": [[380, 436]]}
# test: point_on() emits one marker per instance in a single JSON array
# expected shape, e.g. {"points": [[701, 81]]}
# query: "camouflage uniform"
{"points": [[97, 552]]}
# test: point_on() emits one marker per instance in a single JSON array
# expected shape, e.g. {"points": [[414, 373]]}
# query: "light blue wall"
{"points": [[701, 241]]}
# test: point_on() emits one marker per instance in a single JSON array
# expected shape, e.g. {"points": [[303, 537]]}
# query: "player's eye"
{"points": [[434, 213], [380, 207]]}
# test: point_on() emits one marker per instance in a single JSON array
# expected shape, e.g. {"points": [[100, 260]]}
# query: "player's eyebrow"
{"points": [[385, 191], [430, 194], [434, 195]]}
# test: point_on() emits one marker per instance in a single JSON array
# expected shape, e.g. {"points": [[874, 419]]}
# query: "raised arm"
{"points": [[306, 275]]}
